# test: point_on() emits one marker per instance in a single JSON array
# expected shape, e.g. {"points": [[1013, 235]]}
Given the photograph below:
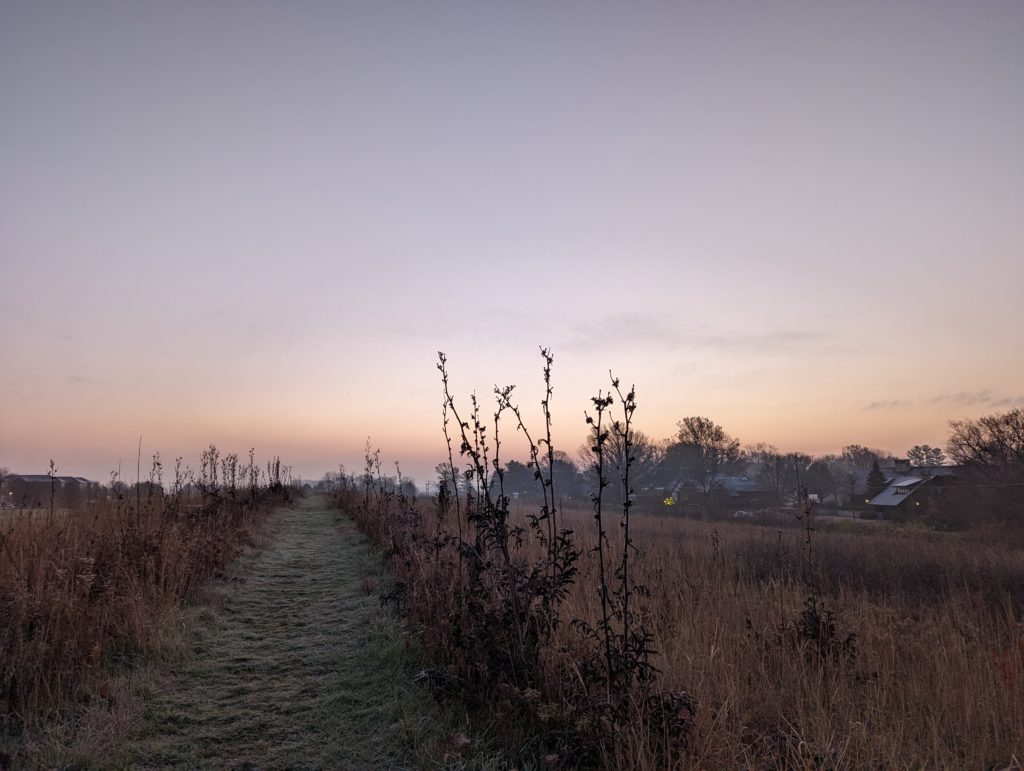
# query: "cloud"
{"points": [[964, 398], [1009, 401], [887, 404], [644, 329]]}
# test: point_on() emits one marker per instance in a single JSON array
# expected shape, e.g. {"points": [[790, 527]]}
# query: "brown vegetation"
{"points": [[85, 588], [913, 654], [623, 640]]}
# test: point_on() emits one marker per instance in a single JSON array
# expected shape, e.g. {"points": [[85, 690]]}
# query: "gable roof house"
{"points": [[737, 491], [898, 494], [741, 489], [904, 495]]}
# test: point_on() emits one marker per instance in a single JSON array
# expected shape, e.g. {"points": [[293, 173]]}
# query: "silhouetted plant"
{"points": [[490, 603]]}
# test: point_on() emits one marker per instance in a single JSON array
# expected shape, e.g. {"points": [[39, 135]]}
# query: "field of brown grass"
{"points": [[933, 674], [881, 648], [81, 591]]}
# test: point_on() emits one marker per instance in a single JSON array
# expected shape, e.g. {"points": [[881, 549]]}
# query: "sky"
{"points": [[256, 223]]}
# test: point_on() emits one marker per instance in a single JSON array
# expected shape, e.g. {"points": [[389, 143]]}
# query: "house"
{"points": [[893, 468], [34, 490], [898, 496], [727, 490], [741, 491], [906, 494]]}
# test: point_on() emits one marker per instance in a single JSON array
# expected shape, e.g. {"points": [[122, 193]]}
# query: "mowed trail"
{"points": [[297, 668]]}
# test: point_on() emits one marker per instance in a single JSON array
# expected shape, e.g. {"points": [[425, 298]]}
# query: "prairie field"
{"points": [[625, 635], [83, 591], [794, 229], [781, 647], [912, 656]]}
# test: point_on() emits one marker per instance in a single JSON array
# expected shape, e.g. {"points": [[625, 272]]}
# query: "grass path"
{"points": [[298, 667]]}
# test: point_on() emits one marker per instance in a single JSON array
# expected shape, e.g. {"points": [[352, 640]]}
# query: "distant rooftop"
{"points": [[898, 491], [34, 478]]}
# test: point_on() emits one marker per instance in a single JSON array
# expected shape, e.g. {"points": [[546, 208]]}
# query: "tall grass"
{"points": [[913, 657], [80, 589], [617, 639]]}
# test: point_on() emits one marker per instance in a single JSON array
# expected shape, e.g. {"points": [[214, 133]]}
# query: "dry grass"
{"points": [[915, 656], [80, 591], [298, 668], [937, 678]]}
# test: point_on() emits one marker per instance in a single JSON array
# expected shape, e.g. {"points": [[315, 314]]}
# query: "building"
{"points": [[34, 490], [727, 491], [906, 494]]}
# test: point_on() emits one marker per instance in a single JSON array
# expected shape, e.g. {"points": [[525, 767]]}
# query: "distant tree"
{"points": [[334, 480], [795, 470], [839, 474], [876, 480], [992, 445], [565, 475], [443, 473], [860, 457], [925, 455], [768, 465], [701, 451], [819, 479], [991, 451], [518, 480], [646, 456]]}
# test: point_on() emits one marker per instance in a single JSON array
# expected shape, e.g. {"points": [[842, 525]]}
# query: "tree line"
{"points": [[696, 464]]}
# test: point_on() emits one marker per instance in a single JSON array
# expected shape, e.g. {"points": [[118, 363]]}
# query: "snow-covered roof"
{"points": [[898, 491]]}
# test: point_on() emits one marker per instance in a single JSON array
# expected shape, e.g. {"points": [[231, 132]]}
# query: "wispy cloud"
{"points": [[644, 329], [1009, 401], [964, 398], [888, 404]]}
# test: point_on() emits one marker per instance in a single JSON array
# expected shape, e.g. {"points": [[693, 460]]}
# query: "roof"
{"points": [[36, 478], [906, 481], [893, 495], [734, 485], [936, 471]]}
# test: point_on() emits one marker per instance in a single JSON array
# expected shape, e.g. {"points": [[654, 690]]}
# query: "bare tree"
{"points": [[645, 453], [769, 466], [839, 474], [992, 446], [562, 469], [861, 458], [701, 451], [991, 451], [798, 465]]}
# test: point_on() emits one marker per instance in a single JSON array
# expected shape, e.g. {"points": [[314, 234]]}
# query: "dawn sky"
{"points": [[256, 223]]}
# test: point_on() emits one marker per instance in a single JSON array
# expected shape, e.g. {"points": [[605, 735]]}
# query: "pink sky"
{"points": [[255, 223]]}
